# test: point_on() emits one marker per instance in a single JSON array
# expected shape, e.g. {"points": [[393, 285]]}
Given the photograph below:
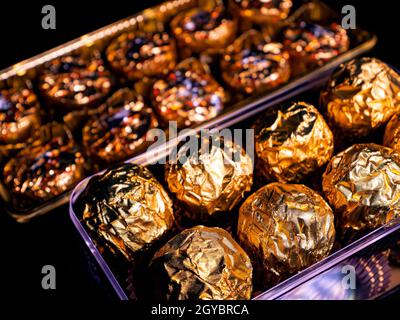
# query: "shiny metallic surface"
{"points": [[254, 64], [391, 137], [362, 184], [285, 228], [211, 181], [292, 141], [188, 95], [121, 129], [127, 210], [361, 96], [142, 54], [201, 263], [75, 81]]}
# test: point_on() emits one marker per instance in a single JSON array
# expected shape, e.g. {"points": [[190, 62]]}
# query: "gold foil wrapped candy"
{"points": [[201, 263], [253, 64], [285, 228], [362, 184], [391, 137], [128, 210], [292, 142], [199, 29], [361, 96], [188, 95], [212, 180]]}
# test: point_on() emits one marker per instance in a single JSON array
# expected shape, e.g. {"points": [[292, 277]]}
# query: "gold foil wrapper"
{"points": [[292, 142], [361, 96], [362, 184], [285, 228], [211, 181], [254, 64], [391, 137], [202, 263], [188, 95], [200, 29], [127, 209]]}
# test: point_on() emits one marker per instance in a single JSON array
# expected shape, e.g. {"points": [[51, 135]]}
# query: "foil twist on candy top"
{"points": [[212, 180], [188, 95], [140, 54], [42, 171], [201, 29], [285, 228], [361, 96], [76, 81], [362, 184], [311, 45], [120, 129], [262, 11], [128, 210], [254, 64], [19, 115], [292, 142], [202, 263]]}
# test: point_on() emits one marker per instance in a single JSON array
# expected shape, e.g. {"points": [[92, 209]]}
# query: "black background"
{"points": [[26, 248]]}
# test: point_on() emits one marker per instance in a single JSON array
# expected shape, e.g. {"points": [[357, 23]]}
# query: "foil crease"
{"points": [[127, 209], [362, 184], [254, 64], [212, 180], [199, 29], [121, 129], [361, 96], [292, 142], [285, 228], [391, 137], [202, 263], [188, 95]]}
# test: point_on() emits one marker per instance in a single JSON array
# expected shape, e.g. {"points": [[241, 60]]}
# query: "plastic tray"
{"points": [[362, 41]]}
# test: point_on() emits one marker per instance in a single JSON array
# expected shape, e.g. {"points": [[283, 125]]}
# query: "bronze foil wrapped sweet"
{"points": [[121, 129], [362, 184], [188, 95], [254, 64], [285, 228], [201, 263], [76, 81], [361, 96], [261, 12], [127, 209], [19, 114], [44, 169], [212, 180], [142, 54], [200, 29], [291, 142], [391, 137], [311, 45]]}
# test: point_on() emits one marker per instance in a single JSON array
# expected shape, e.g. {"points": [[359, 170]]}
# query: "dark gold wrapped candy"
{"points": [[201, 263], [211, 181], [254, 64], [285, 228], [391, 137], [361, 96], [362, 184], [121, 129], [292, 142], [128, 210]]}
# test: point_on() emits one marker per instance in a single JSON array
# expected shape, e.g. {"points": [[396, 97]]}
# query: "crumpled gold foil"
{"points": [[285, 228], [391, 137], [212, 180], [199, 29], [292, 142], [127, 208], [361, 96], [362, 184], [254, 64], [202, 263]]}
